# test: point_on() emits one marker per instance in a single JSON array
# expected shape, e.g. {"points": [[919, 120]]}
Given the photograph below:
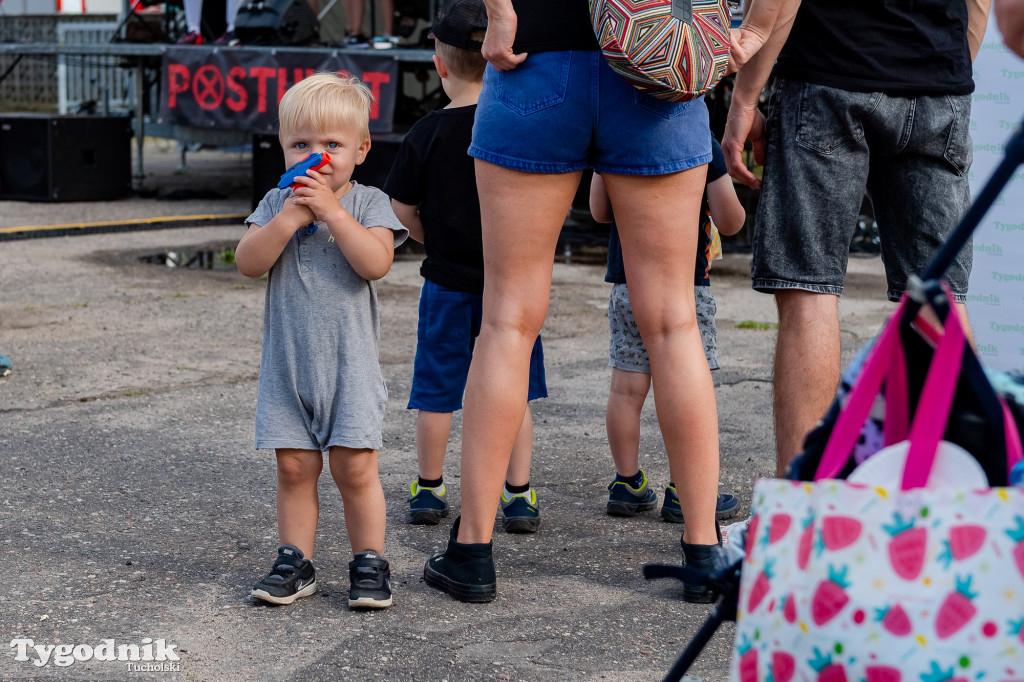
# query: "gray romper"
{"points": [[320, 382]]}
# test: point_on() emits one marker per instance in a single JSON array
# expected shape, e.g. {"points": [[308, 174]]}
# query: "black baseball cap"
{"points": [[457, 21]]}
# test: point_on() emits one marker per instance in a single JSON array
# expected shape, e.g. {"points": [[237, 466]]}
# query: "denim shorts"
{"points": [[560, 112], [449, 322], [626, 350], [825, 146]]}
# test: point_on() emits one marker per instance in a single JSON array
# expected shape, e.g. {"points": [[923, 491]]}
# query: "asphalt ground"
{"points": [[133, 504]]}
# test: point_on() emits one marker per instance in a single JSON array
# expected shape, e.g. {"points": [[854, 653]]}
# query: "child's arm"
{"points": [[726, 209], [369, 250], [600, 205], [409, 216], [262, 245]]}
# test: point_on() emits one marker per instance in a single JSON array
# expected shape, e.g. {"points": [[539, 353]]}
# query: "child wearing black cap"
{"points": [[432, 186]]}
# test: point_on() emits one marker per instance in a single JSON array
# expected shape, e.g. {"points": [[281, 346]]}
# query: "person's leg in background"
{"points": [[815, 174], [193, 21], [231, 8], [519, 238], [806, 369], [658, 245], [629, 493], [386, 16], [627, 392], [354, 10], [626, 396]]}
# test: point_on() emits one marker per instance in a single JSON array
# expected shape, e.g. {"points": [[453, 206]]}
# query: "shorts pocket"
{"points": [[958, 152], [538, 83], [829, 119], [662, 107]]}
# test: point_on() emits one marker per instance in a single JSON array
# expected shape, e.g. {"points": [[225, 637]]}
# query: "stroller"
{"points": [[976, 403]]}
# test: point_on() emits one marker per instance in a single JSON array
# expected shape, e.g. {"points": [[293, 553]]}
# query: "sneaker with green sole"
{"points": [[520, 511], [427, 506], [625, 500], [726, 506]]}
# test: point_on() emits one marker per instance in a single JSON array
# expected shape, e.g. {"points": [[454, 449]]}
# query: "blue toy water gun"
{"points": [[313, 161]]}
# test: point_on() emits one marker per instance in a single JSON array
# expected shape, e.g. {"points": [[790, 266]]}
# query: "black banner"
{"points": [[240, 89]]}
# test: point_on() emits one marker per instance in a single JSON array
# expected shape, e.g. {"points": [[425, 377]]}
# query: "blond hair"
{"points": [[465, 64], [323, 101]]}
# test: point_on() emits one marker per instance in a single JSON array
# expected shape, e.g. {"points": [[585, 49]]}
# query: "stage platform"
{"points": [[160, 69]]}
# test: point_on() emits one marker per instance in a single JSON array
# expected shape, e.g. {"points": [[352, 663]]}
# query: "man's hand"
{"points": [[1010, 17], [743, 125], [497, 47], [744, 42]]}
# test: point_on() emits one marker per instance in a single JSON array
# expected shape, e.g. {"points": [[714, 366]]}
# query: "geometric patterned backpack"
{"points": [[671, 49]]}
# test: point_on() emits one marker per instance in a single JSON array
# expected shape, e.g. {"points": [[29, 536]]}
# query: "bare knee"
{"points": [[630, 386], [298, 468], [799, 307], [354, 470]]}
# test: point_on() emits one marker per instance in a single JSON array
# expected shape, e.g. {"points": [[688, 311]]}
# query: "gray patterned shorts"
{"points": [[626, 349]]}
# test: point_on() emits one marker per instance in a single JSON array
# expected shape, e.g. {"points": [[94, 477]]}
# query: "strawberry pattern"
{"points": [[846, 582]]}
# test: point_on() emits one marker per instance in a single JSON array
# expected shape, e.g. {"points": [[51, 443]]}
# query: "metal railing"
{"points": [[94, 81]]}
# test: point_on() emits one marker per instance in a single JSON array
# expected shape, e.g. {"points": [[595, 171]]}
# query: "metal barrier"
{"points": [[92, 79]]}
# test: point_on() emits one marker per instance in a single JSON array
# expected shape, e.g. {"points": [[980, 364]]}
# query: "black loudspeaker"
{"points": [[268, 164], [374, 170], [276, 22], [65, 158]]}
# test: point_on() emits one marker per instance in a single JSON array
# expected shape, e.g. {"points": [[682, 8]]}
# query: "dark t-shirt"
{"points": [[899, 47], [553, 25], [716, 169], [434, 171]]}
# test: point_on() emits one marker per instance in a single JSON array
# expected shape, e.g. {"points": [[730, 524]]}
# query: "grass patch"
{"points": [[751, 324]]}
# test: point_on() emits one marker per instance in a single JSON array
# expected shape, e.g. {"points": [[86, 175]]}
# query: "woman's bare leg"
{"points": [[522, 215], [657, 217]]}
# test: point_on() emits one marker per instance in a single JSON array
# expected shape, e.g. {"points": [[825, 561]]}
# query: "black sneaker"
{"points": [[520, 511], [709, 558], [370, 577], [427, 506], [625, 500], [465, 571], [291, 577], [356, 40], [726, 506]]}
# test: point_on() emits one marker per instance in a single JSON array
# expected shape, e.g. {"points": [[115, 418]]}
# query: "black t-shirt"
{"points": [[900, 47], [716, 169], [553, 25], [434, 171]]}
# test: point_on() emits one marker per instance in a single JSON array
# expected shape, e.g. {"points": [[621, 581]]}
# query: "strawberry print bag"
{"points": [[912, 579]]}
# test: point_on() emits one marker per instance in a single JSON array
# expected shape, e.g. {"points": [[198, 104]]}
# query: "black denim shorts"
{"points": [[825, 146]]}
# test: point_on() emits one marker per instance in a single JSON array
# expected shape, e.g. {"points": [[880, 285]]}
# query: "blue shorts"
{"points": [[560, 112], [449, 323]]}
